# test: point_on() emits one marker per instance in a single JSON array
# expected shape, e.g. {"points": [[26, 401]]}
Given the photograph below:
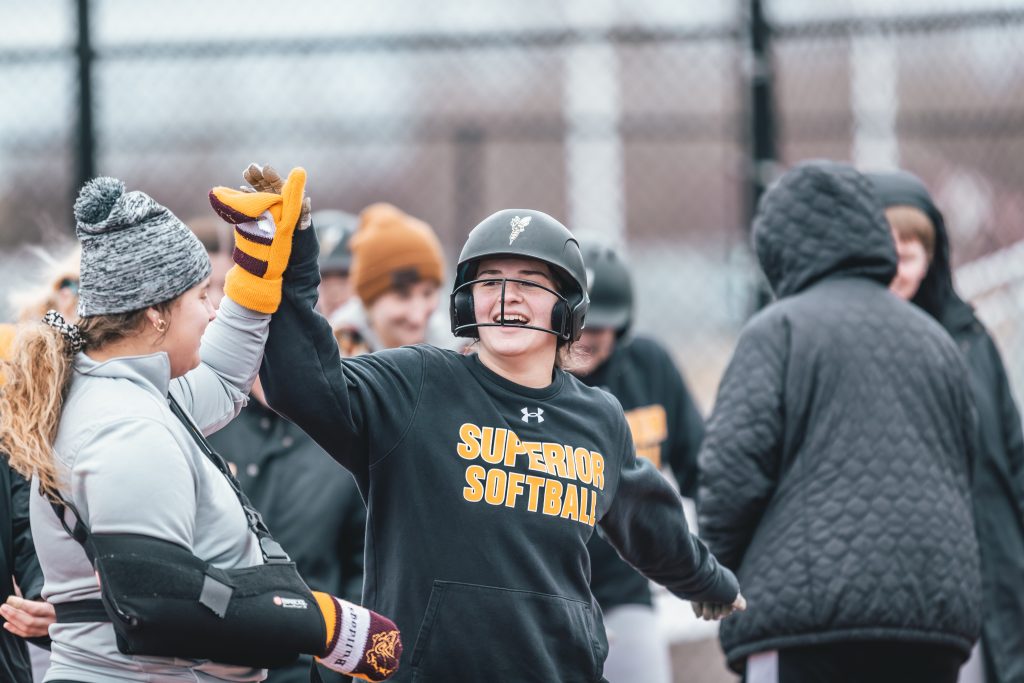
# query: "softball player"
{"points": [[485, 474]]}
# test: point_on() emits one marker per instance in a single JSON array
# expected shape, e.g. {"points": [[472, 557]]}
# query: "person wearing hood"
{"points": [[834, 472], [397, 268], [666, 429], [924, 277]]}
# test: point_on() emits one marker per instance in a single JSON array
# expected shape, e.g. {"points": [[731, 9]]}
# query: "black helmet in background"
{"points": [[610, 286], [334, 230], [523, 233]]}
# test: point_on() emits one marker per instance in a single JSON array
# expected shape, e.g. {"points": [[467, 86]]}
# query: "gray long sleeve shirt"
{"points": [[134, 469]]}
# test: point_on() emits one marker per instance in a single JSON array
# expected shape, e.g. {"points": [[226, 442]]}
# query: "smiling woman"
{"points": [[485, 474], [137, 524]]}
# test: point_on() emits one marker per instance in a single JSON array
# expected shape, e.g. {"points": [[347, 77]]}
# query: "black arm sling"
{"points": [[164, 601]]}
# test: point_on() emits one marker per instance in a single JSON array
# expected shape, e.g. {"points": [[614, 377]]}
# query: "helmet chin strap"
{"points": [[501, 316]]}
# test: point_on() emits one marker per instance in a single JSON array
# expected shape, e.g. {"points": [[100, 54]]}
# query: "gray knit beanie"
{"points": [[135, 253]]}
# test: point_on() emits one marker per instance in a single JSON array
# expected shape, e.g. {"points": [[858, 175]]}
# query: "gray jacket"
{"points": [[133, 468], [834, 470]]}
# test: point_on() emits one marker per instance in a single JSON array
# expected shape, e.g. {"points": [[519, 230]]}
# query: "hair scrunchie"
{"points": [[70, 332]]}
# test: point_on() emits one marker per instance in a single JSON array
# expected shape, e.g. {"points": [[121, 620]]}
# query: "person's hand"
{"points": [[27, 618], [266, 179], [713, 611], [264, 225]]}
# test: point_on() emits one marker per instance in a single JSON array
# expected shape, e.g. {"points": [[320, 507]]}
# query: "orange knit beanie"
{"points": [[390, 250]]}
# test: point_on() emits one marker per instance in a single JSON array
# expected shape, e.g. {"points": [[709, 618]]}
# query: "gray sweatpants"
{"points": [[637, 651]]}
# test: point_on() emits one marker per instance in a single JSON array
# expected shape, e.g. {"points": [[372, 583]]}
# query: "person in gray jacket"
{"points": [[88, 412], [833, 476]]}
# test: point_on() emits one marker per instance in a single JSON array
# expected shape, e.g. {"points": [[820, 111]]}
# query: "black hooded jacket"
{"points": [[998, 472], [834, 470], [18, 562]]}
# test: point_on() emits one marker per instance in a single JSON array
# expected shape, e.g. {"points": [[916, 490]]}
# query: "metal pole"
{"points": [[759, 128], [469, 144], [760, 79], [85, 135]]}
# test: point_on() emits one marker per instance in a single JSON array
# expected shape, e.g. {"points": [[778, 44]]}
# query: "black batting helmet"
{"points": [[610, 286], [523, 233]]}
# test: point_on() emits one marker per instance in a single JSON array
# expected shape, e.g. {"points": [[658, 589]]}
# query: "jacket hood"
{"points": [[936, 294], [820, 220]]}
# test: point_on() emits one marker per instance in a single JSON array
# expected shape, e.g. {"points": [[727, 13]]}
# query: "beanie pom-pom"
{"points": [[97, 198]]}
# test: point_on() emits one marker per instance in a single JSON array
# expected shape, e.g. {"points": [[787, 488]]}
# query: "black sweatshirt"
{"points": [[481, 495], [18, 563], [667, 430], [997, 484]]}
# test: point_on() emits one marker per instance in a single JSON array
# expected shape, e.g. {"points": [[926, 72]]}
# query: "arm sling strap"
{"points": [[164, 601]]}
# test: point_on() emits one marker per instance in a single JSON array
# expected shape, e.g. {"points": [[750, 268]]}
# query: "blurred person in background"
{"points": [[105, 415], [834, 472], [666, 429], [25, 615], [310, 503], [925, 278], [397, 269], [24, 642], [59, 292], [334, 229]]}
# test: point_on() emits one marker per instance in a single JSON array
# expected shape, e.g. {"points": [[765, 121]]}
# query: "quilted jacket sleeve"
{"points": [[740, 458]]}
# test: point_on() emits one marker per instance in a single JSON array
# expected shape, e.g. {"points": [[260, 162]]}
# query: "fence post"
{"points": [[760, 133], [760, 81], [469, 143], [85, 135]]}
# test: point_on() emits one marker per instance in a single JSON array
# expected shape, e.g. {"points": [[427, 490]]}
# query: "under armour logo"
{"points": [[538, 415], [518, 225]]}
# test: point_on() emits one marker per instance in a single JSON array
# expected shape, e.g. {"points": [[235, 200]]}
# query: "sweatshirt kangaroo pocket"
{"points": [[484, 633]]}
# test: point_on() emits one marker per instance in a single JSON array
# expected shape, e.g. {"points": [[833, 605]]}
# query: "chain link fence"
{"points": [[629, 121], [632, 122]]}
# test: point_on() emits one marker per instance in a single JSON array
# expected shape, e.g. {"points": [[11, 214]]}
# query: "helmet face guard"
{"points": [[523, 234], [464, 323]]}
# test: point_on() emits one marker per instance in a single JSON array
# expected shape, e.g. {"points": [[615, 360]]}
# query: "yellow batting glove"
{"points": [[264, 225]]}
